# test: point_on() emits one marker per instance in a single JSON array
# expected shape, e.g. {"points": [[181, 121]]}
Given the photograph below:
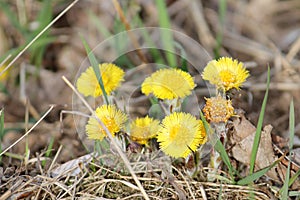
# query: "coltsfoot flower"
{"points": [[88, 85], [169, 84], [180, 134], [218, 109], [113, 118], [143, 129], [225, 73]]}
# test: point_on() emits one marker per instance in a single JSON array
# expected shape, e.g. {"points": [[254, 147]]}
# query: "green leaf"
{"points": [[95, 66], [259, 127]]}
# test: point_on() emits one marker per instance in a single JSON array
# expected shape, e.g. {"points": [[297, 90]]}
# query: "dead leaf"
{"points": [[72, 167], [243, 148], [242, 127]]}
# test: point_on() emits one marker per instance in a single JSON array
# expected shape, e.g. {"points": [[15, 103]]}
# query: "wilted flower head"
{"points": [[113, 118], [225, 73], [180, 134], [143, 129], [218, 109], [88, 85], [169, 84]]}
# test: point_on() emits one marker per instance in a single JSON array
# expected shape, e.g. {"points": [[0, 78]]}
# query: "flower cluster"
{"points": [[179, 133], [225, 74]]}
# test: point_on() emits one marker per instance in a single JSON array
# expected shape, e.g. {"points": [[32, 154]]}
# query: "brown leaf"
{"points": [[243, 148], [243, 128], [282, 168]]}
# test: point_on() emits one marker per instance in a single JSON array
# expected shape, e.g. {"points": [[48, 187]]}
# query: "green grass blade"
{"points": [[222, 16], [259, 126], [1, 130], [284, 191], [153, 50], [49, 150], [12, 17], [45, 14], [99, 25], [95, 66], [38, 49], [149, 41], [294, 194], [294, 178], [166, 35], [252, 177], [292, 125], [1, 125], [50, 147], [220, 192], [183, 57], [220, 148]]}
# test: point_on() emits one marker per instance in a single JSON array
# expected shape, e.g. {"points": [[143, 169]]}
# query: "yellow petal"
{"points": [[225, 73], [88, 85], [169, 84], [180, 134], [113, 118], [143, 129]]}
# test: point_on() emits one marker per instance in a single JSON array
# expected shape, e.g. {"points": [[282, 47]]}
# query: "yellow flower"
{"points": [[218, 109], [180, 134], [168, 84], [225, 73], [143, 129], [111, 74], [113, 118], [5, 75]]}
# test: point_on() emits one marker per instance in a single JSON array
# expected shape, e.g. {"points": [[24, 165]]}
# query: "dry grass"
{"points": [[94, 180]]}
